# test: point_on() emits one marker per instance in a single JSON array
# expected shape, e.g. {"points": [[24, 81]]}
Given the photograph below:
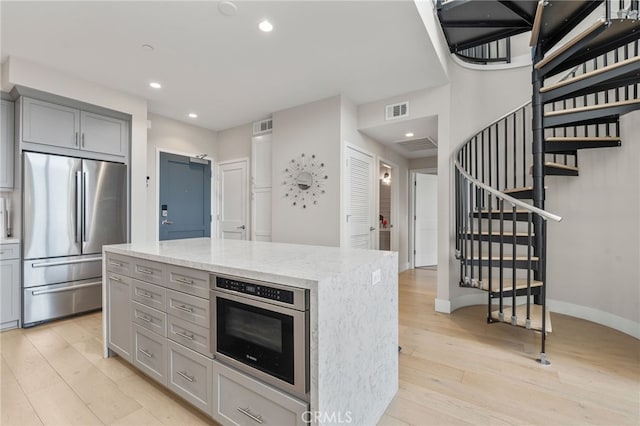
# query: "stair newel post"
{"points": [[537, 108]]}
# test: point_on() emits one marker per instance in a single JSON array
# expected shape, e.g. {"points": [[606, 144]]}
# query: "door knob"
{"points": [[241, 227], [167, 222], [371, 228]]}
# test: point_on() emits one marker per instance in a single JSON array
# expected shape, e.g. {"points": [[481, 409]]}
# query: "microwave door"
{"points": [[51, 201], [104, 216]]}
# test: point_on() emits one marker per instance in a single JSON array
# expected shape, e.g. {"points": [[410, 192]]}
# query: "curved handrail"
{"points": [[543, 213]]}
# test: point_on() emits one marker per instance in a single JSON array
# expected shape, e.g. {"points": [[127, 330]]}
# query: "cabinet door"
{"points": [[118, 315], [9, 293], [103, 134], [6, 146], [50, 124]]}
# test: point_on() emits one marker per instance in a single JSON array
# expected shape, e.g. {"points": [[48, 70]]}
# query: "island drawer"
{"points": [[188, 280], [9, 251], [189, 375], [190, 335], [118, 264], [187, 307], [240, 400], [147, 270], [150, 353], [148, 294], [149, 318]]}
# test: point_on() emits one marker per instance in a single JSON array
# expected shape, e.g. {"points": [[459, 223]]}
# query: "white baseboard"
{"points": [[607, 319], [404, 267]]}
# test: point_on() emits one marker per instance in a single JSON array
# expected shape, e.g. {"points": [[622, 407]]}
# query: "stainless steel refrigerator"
{"points": [[71, 208]]}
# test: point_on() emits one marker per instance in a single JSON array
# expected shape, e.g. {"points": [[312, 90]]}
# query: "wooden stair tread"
{"points": [[507, 258], [497, 233], [596, 26], [560, 166], [521, 316], [507, 284], [589, 74], [591, 107], [521, 189], [583, 138]]}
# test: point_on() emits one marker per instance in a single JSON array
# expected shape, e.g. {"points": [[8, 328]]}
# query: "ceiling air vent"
{"points": [[396, 111], [419, 144], [264, 126]]}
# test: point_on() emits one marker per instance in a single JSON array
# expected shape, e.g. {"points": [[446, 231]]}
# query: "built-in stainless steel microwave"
{"points": [[262, 329]]}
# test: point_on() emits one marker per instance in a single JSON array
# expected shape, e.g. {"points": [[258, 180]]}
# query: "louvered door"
{"points": [[359, 200]]}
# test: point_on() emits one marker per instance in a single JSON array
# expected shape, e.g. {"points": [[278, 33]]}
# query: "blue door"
{"points": [[185, 197]]}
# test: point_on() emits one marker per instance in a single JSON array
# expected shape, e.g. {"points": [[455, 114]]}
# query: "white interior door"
{"points": [[359, 200], [234, 200], [261, 188], [426, 220]]}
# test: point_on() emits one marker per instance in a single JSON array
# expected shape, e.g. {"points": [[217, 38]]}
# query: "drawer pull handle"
{"points": [[144, 318], [185, 335], [112, 263], [184, 281], [247, 413], [186, 376], [143, 294], [145, 353], [115, 279], [145, 271], [184, 308]]}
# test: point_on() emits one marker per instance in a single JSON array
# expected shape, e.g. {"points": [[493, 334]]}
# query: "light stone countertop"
{"points": [[293, 264]]}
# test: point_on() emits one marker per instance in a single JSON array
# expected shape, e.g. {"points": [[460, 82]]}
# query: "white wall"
{"points": [[16, 71], [235, 142], [594, 252], [349, 124], [423, 163], [178, 137], [312, 128]]}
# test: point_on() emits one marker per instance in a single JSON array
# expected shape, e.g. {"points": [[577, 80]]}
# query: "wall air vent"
{"points": [[396, 111], [264, 126], [419, 144]]}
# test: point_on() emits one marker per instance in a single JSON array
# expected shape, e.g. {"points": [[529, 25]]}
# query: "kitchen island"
{"points": [[352, 316]]}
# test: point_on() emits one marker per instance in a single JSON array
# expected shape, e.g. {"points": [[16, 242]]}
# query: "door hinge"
{"points": [[414, 252], [210, 218]]}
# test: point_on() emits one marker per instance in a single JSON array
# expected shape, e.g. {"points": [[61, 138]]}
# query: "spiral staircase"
{"points": [[582, 85]]}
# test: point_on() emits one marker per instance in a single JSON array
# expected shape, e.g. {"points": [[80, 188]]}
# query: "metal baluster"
{"points": [[513, 267], [506, 153], [529, 265], [501, 262], [471, 230], [515, 160], [524, 147], [490, 271], [479, 199], [497, 158]]}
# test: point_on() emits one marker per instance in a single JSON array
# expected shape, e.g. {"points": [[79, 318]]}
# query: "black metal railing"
{"points": [[495, 52]]}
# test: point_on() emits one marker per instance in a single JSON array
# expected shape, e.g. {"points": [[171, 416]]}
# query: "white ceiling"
{"points": [[223, 68]]}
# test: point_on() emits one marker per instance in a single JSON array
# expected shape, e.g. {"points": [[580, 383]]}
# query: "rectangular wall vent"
{"points": [[396, 111], [419, 144], [264, 126]]}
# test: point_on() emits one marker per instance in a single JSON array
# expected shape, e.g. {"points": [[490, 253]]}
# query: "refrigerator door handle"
{"points": [[84, 207], [62, 289], [79, 204]]}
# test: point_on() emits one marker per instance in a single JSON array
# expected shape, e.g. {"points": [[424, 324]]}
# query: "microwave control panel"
{"points": [[262, 291]]}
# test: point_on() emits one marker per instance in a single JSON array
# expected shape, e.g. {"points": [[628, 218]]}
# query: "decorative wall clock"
{"points": [[304, 181]]}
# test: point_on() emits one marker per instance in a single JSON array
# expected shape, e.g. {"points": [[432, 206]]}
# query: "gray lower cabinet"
{"points": [[118, 315], [241, 400], [48, 123], [189, 375], [159, 320], [149, 353], [10, 286], [6, 146]]}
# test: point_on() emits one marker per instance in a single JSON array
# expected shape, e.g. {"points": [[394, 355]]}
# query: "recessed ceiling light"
{"points": [[155, 85], [408, 135], [265, 26], [193, 115], [227, 8], [147, 47]]}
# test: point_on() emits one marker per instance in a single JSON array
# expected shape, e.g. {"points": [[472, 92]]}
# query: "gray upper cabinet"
{"points": [[6, 146], [103, 134], [51, 124]]}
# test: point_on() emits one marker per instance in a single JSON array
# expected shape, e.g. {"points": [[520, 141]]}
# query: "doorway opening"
{"points": [[387, 205], [425, 219]]}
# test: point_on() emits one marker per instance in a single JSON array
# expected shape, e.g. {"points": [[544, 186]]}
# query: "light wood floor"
{"points": [[454, 369]]}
